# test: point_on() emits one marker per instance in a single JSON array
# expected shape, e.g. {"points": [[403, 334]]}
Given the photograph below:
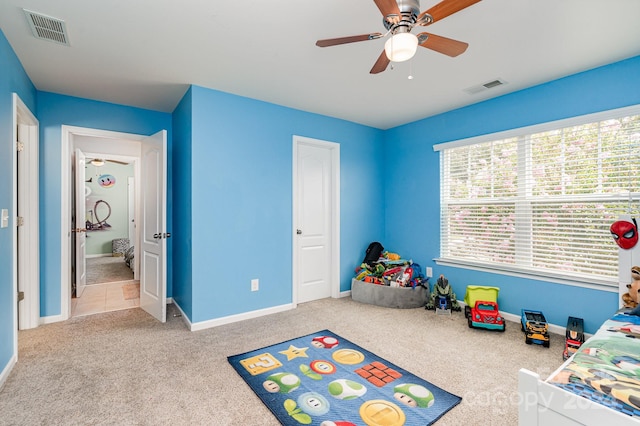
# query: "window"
{"points": [[541, 200]]}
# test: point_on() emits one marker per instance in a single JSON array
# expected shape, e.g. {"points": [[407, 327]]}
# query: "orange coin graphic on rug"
{"points": [[348, 356], [379, 412]]}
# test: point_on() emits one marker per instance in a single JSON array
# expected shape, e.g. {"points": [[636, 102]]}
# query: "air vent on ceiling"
{"points": [[47, 28], [485, 86]]}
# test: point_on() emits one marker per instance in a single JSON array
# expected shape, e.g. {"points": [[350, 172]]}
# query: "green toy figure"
{"points": [[442, 288]]}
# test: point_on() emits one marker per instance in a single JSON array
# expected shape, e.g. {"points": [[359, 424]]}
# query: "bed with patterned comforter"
{"points": [[606, 368]]}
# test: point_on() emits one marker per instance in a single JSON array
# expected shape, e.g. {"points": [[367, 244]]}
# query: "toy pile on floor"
{"points": [[386, 268]]}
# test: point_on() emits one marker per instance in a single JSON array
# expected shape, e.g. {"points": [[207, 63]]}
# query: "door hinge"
{"points": [[20, 221], [19, 146], [20, 295]]}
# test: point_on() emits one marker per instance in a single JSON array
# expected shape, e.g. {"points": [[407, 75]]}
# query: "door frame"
{"points": [[334, 274], [68, 133], [26, 267]]}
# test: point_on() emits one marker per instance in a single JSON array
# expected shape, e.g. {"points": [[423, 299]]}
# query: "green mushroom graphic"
{"points": [[413, 395], [281, 382]]}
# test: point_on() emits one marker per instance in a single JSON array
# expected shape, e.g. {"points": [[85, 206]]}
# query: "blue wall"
{"points": [[13, 79], [182, 217], [242, 199], [53, 111], [409, 152], [230, 184]]}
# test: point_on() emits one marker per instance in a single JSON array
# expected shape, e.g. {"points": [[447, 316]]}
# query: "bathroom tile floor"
{"points": [[107, 297]]}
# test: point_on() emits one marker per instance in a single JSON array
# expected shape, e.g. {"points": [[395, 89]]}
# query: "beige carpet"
{"points": [[107, 270], [126, 368]]}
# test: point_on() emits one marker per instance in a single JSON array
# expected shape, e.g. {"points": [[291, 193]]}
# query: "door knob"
{"points": [[156, 236], [299, 231]]}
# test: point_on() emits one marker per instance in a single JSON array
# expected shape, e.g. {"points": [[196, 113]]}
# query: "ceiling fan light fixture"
{"points": [[401, 47], [97, 162]]}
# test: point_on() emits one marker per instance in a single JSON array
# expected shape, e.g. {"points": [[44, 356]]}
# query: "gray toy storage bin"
{"points": [[389, 297]]}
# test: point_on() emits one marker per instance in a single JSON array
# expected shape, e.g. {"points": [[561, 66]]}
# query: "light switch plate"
{"points": [[4, 218]]}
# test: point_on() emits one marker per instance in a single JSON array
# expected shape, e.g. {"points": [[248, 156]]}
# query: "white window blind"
{"points": [[541, 200]]}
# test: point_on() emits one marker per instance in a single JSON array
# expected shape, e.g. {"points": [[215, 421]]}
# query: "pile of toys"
{"points": [[391, 270]]}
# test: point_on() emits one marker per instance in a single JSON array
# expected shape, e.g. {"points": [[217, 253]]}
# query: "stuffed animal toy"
{"points": [[632, 296]]}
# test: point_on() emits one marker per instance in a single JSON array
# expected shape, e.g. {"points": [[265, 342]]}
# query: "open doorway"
{"points": [[104, 274], [150, 153]]}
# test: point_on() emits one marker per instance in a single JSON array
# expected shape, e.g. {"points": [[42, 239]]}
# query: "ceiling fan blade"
{"points": [[124, 163], [381, 64], [350, 39], [389, 9], [105, 160], [444, 9], [441, 44]]}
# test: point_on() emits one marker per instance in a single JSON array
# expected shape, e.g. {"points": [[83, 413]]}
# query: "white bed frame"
{"points": [[541, 403]]}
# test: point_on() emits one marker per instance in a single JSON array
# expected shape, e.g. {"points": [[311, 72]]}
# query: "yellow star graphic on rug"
{"points": [[294, 352]]}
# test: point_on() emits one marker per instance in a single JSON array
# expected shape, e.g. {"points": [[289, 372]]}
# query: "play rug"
{"points": [[324, 379]]}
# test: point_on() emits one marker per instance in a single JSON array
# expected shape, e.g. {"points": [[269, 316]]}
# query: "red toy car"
{"points": [[485, 314]]}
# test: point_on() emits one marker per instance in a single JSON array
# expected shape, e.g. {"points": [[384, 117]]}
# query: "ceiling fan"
{"points": [[99, 162], [399, 18]]}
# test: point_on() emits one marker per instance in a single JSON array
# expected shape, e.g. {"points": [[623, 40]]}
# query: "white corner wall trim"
{"points": [[183, 315], [7, 370], [203, 325]]}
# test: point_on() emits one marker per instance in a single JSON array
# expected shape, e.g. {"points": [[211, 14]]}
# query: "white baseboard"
{"points": [[203, 325], [52, 318], [7, 370], [345, 294], [92, 256]]}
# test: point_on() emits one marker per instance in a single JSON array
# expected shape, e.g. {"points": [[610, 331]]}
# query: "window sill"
{"points": [[595, 284]]}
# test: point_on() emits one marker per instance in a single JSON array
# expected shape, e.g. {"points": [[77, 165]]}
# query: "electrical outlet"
{"points": [[255, 285], [429, 272]]}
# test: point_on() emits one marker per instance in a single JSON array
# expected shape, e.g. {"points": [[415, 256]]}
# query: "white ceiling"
{"points": [[145, 53]]}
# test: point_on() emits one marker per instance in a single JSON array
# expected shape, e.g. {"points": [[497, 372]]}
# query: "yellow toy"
{"points": [[391, 256]]}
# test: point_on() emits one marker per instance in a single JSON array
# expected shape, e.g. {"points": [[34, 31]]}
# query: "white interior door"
{"points": [[314, 222], [153, 188], [131, 214], [26, 205], [80, 229]]}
